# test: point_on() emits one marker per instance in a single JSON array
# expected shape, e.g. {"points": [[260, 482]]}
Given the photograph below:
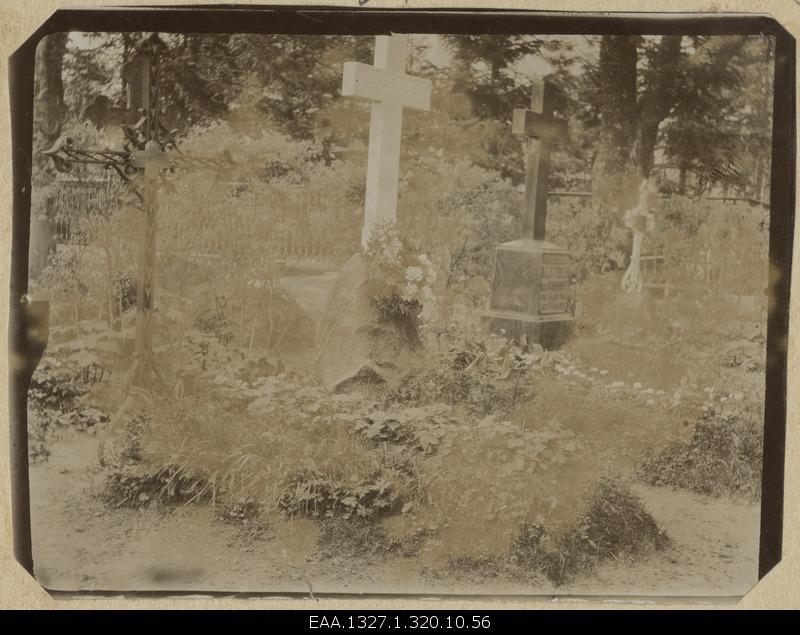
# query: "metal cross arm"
{"points": [[64, 154], [200, 162]]}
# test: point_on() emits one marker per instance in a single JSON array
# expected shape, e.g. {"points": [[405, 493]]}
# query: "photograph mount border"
{"points": [[327, 20]]}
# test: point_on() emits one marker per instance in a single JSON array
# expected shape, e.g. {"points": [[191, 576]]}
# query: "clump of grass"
{"points": [[359, 538], [241, 453], [722, 457], [138, 485], [248, 516], [614, 525], [482, 566], [319, 495]]}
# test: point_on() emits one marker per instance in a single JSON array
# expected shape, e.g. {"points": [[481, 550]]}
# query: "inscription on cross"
{"points": [[390, 90], [542, 130]]}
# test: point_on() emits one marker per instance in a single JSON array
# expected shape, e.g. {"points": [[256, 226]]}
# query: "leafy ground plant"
{"points": [[320, 496], [57, 402], [723, 456], [358, 538], [615, 525], [139, 485]]}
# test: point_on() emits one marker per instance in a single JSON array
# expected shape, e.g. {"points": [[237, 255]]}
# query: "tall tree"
{"points": [[722, 133], [484, 70], [50, 108]]}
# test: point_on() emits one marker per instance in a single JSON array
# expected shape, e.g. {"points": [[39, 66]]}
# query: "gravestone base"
{"points": [[532, 297], [550, 335]]}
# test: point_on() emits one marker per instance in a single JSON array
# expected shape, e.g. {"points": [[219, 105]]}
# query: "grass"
{"points": [[360, 539], [523, 493], [232, 453]]}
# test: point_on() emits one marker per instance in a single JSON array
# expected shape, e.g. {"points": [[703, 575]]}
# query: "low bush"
{"points": [[479, 377], [615, 525], [360, 538], [138, 485], [723, 456], [57, 402]]}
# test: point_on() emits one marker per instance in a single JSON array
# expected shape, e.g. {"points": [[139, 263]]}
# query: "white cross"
{"points": [[389, 89]]}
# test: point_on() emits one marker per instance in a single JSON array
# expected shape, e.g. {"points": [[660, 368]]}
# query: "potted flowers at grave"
{"points": [[401, 281]]}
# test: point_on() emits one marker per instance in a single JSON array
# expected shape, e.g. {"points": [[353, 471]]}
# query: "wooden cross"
{"points": [[389, 89], [144, 154], [541, 129]]}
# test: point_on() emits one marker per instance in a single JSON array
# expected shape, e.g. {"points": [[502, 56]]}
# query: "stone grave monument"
{"points": [[531, 285]]}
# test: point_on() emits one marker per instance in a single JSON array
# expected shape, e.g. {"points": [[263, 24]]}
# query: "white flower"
{"points": [[414, 274], [410, 291]]}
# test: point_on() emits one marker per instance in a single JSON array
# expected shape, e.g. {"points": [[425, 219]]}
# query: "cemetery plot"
{"points": [[297, 350]]}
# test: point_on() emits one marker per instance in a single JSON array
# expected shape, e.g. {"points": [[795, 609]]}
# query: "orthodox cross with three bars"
{"points": [[144, 155], [541, 129], [389, 89]]}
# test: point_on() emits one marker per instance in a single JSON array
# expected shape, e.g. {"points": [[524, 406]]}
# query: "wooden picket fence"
{"points": [[84, 195]]}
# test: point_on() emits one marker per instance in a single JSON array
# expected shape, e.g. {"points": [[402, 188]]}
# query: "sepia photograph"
{"points": [[400, 313]]}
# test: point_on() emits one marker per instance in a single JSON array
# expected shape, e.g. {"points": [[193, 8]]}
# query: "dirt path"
{"points": [[80, 544]]}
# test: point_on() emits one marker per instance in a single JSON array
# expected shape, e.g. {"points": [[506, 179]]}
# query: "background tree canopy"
{"points": [[694, 111]]}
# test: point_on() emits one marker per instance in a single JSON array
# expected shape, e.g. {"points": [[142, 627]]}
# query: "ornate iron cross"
{"points": [[148, 150]]}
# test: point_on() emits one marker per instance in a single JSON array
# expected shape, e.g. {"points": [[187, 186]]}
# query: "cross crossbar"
{"points": [[379, 85], [539, 126]]}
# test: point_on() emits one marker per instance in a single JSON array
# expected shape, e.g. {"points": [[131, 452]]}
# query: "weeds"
{"points": [[358, 538], [319, 496], [723, 456], [56, 402], [138, 485], [615, 525]]}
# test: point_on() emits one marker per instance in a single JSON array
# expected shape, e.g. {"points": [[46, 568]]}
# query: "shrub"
{"points": [[58, 400], [138, 485], [722, 457], [614, 525], [482, 376]]}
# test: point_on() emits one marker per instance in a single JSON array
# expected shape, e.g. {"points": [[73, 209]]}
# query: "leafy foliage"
{"points": [[723, 456], [319, 496], [615, 525], [59, 397], [139, 485]]}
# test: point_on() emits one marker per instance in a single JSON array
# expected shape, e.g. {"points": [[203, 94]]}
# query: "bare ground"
{"points": [[79, 544]]}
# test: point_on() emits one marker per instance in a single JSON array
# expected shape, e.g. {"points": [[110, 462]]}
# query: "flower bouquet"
{"points": [[402, 280]]}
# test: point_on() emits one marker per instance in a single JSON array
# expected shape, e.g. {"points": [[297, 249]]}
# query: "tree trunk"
{"points": [[657, 100], [682, 181], [613, 170], [630, 121], [50, 109]]}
